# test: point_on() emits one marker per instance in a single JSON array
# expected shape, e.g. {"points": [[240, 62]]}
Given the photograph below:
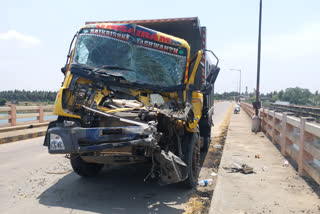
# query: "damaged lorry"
{"points": [[136, 91]]}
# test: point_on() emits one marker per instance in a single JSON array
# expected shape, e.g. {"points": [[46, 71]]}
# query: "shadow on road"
{"points": [[116, 190]]}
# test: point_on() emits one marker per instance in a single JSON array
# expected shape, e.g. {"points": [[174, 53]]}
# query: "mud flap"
{"points": [[172, 168]]}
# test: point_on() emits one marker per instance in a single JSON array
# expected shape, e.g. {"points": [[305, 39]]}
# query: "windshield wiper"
{"points": [[82, 66], [92, 71], [112, 67]]}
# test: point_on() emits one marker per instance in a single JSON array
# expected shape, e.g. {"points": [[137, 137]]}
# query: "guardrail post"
{"points": [[40, 111], [262, 119], [301, 145], [273, 132], [283, 133], [13, 114]]}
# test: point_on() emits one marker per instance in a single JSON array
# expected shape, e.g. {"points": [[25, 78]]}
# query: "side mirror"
{"points": [[212, 77]]}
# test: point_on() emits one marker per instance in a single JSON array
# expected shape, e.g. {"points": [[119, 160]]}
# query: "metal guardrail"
{"points": [[297, 138], [248, 109], [13, 113], [304, 111]]}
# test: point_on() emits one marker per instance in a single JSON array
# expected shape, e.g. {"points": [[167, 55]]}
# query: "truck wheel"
{"points": [[84, 169], [192, 159]]}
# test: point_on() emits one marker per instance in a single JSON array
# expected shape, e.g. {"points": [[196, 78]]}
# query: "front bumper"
{"points": [[81, 140]]}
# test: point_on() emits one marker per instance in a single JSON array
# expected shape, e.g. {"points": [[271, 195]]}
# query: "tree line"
{"points": [[29, 96], [296, 96]]}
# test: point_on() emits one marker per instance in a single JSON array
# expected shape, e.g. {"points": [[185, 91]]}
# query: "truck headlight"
{"points": [[56, 142]]}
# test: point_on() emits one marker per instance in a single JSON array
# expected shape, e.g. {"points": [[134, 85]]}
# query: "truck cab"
{"points": [[136, 91]]}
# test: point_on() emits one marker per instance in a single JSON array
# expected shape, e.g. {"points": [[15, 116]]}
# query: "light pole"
{"points": [[256, 120], [232, 69]]}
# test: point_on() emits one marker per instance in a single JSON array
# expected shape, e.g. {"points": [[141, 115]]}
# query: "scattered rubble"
{"points": [[205, 182], [243, 168], [213, 174], [217, 146], [265, 168]]}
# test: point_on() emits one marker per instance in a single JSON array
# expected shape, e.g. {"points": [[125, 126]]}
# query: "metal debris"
{"points": [[243, 168]]}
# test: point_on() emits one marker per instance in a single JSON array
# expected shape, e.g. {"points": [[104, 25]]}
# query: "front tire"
{"points": [[84, 169], [192, 159], [206, 144]]}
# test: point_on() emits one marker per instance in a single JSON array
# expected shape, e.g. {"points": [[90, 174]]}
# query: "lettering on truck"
{"points": [[144, 37]]}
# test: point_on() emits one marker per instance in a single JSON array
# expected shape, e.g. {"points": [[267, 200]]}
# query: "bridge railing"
{"points": [[247, 108], [305, 111], [14, 112], [297, 137]]}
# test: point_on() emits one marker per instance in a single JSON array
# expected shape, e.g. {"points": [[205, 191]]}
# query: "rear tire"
{"points": [[192, 159], [84, 169]]}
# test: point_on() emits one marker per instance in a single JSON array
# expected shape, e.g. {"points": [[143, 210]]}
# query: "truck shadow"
{"points": [[118, 189]]}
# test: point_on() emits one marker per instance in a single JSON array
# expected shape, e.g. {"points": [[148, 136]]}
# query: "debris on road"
{"points": [[286, 163], [265, 168], [217, 146], [59, 173], [195, 205], [205, 182], [243, 168], [213, 174]]}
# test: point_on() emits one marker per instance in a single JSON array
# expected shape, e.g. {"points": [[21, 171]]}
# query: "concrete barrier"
{"points": [[16, 131], [297, 137], [13, 113]]}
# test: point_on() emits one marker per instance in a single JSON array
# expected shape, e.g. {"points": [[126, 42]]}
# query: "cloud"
{"points": [[25, 39]]}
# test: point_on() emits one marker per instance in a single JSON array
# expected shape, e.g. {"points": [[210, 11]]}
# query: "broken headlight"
{"points": [[56, 142]]}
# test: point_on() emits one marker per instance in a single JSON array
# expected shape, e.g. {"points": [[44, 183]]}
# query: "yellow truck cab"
{"points": [[136, 91]]}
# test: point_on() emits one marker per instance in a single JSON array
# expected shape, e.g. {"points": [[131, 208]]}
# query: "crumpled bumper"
{"points": [[80, 140]]}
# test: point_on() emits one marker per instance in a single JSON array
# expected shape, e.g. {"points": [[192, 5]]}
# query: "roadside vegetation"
{"points": [[2, 101], [296, 96], [26, 98]]}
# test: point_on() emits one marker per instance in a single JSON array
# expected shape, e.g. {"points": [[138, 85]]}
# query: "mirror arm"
{"points": [[197, 59], [213, 55]]}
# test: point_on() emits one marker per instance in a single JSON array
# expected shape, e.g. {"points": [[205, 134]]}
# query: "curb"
{"points": [[22, 127], [22, 137]]}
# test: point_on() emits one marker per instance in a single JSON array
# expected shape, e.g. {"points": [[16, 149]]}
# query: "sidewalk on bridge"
{"points": [[273, 188]]}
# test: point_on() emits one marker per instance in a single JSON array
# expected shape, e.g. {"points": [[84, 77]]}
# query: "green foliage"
{"points": [[34, 96], [297, 96], [316, 98], [226, 96], [2, 101]]}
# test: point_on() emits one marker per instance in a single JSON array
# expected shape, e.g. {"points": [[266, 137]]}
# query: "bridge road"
{"points": [[32, 181]]}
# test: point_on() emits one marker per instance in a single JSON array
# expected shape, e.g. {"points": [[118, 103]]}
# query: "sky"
{"points": [[35, 37]]}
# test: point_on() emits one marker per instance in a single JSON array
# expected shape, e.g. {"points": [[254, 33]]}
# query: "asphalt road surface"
{"points": [[32, 181]]}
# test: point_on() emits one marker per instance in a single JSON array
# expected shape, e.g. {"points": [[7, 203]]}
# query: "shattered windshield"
{"points": [[133, 62]]}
